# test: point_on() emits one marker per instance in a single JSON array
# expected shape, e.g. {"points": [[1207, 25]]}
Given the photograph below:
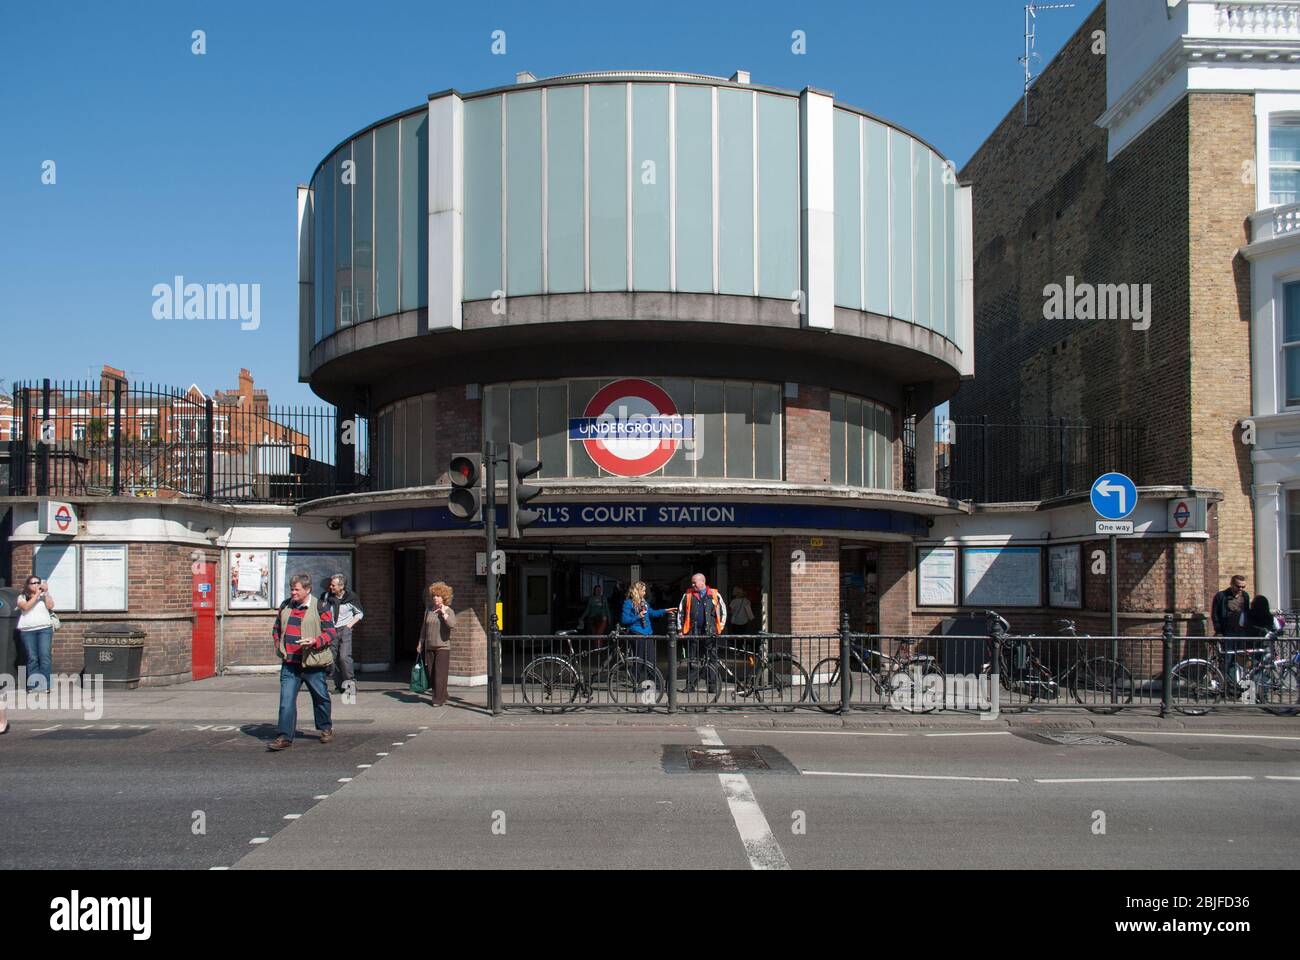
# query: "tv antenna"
{"points": [[1031, 42]]}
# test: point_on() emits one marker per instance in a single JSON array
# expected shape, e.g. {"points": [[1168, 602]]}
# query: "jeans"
{"points": [[643, 647], [37, 644], [292, 677], [342, 658]]}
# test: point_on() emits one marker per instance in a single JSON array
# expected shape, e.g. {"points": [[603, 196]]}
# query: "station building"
{"points": [[723, 316]]}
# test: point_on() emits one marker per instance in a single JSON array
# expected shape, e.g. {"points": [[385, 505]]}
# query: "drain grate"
{"points": [[1083, 739], [725, 759]]}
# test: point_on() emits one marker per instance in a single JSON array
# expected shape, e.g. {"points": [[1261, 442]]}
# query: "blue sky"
{"points": [[169, 163]]}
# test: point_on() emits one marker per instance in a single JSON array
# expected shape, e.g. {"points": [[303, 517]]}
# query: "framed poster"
{"points": [[319, 564], [936, 572], [249, 578], [56, 564], [103, 576], [1064, 584], [1002, 576]]}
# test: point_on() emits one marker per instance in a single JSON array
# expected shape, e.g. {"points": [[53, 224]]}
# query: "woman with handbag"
{"points": [[36, 624], [435, 640]]}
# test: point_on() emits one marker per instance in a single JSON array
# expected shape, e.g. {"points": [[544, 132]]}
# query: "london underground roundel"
{"points": [[631, 428]]}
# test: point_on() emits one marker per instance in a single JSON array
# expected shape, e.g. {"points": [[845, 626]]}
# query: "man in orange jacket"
{"points": [[703, 616]]}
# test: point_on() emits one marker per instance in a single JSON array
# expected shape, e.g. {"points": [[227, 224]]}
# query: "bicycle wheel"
{"points": [[1197, 687], [911, 692], [1092, 681], [549, 684], [636, 683], [783, 681], [1277, 689], [691, 672], [825, 684]]}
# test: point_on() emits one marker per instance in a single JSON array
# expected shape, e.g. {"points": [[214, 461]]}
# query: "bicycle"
{"points": [[764, 675], [553, 682], [899, 681], [1270, 680], [1103, 676], [1019, 669]]}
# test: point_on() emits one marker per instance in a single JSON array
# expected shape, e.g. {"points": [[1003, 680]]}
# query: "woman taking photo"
{"points": [[435, 640], [36, 627], [637, 615]]}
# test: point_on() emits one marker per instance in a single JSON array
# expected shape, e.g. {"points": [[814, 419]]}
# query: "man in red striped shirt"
{"points": [[301, 627]]}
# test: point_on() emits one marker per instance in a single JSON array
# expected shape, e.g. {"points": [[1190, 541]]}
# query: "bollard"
{"points": [[672, 661], [846, 675], [1166, 677]]}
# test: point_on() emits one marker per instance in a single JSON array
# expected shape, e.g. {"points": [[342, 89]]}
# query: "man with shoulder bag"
{"points": [[304, 637]]}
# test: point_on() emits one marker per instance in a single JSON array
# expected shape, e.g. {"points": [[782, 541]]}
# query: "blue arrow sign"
{"points": [[1114, 496]]}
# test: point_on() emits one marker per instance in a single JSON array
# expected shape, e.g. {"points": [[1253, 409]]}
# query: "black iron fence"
{"points": [[111, 437], [909, 674], [991, 462]]}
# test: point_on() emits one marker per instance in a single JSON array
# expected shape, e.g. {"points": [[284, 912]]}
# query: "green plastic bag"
{"points": [[419, 682]]}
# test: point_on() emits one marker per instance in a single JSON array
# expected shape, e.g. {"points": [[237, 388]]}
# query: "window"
{"points": [[1291, 343], [862, 443], [1284, 160], [1293, 546], [78, 431], [148, 430]]}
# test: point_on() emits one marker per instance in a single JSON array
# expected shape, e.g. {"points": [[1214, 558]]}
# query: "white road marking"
{"points": [[1228, 736], [293, 816], [218, 868], [259, 840], [321, 796], [818, 733], [381, 754], [363, 766], [755, 833], [1281, 778], [905, 776], [1133, 779], [345, 779], [981, 733]]}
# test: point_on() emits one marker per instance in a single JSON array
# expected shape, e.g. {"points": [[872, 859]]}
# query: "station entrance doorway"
{"points": [[550, 588]]}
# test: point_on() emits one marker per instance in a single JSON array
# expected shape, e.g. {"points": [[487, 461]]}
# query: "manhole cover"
{"points": [[725, 758], [1082, 739]]}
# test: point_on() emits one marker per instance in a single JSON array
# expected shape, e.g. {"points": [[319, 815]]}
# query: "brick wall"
{"points": [[451, 559], [372, 638], [159, 590], [459, 426], [1222, 129], [808, 436], [1169, 211]]}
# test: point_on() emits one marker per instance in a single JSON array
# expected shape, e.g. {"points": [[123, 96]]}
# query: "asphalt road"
{"points": [[461, 792]]}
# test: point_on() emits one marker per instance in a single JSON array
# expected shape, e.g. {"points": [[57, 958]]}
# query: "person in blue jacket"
{"points": [[636, 617]]}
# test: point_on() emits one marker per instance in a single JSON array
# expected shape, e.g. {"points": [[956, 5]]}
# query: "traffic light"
{"points": [[521, 493], [465, 502]]}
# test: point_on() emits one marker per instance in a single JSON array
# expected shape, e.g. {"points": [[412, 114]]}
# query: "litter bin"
{"points": [[114, 651], [8, 630]]}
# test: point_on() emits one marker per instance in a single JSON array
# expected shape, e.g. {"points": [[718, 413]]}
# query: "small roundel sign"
{"points": [[631, 428]]}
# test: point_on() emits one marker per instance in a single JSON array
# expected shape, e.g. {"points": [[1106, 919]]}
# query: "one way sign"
{"points": [[1114, 496]]}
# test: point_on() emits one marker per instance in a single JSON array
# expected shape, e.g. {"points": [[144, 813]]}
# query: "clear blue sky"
{"points": [[170, 163]]}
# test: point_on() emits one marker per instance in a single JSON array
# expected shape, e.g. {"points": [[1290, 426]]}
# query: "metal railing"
{"points": [[987, 673], [111, 437], [990, 462]]}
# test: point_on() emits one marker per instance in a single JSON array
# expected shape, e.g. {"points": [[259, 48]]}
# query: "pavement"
{"points": [[179, 777]]}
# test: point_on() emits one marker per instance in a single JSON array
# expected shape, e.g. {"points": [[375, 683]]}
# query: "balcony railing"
{"points": [[1274, 222], [110, 437], [1252, 19]]}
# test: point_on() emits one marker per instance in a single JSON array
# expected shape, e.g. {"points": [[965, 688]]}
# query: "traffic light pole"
{"points": [[490, 529]]}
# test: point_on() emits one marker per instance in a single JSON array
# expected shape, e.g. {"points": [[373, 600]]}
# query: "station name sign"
{"points": [[642, 516]]}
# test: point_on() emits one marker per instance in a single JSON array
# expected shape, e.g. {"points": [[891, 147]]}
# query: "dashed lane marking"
{"points": [[1131, 779], [905, 776]]}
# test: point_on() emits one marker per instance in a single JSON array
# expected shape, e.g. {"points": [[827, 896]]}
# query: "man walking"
{"points": [[1229, 613], [703, 616], [345, 612], [303, 634]]}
